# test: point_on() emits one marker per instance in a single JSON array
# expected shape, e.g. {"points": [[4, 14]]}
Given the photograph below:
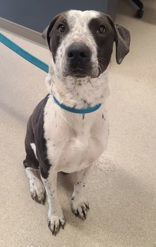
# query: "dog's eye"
{"points": [[61, 28], [101, 29]]}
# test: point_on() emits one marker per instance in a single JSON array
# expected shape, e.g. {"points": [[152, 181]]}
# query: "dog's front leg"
{"points": [[79, 204], [55, 213]]}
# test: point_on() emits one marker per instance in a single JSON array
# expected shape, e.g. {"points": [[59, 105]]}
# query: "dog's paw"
{"points": [[37, 191], [80, 209], [55, 223]]}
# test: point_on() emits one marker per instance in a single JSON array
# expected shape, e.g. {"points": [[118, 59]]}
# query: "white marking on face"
{"points": [[70, 90], [78, 32], [33, 146]]}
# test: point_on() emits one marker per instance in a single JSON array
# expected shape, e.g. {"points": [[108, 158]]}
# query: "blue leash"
{"points": [[43, 66], [21, 52]]}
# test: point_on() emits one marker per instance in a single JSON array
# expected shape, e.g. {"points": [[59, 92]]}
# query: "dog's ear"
{"points": [[47, 31], [122, 40]]}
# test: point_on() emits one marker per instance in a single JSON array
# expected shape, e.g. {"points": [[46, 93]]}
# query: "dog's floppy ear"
{"points": [[47, 31], [122, 40]]}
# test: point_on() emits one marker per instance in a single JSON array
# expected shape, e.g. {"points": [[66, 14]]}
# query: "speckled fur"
{"points": [[73, 142], [79, 32]]}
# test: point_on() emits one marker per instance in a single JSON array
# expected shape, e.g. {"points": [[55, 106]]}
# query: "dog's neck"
{"points": [[78, 92]]}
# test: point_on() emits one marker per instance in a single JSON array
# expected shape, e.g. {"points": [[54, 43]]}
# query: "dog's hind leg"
{"points": [[31, 165], [79, 204]]}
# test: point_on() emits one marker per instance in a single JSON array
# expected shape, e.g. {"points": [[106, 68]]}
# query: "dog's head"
{"points": [[81, 43]]}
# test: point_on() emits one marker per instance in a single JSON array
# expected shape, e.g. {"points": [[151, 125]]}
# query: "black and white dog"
{"points": [[68, 129]]}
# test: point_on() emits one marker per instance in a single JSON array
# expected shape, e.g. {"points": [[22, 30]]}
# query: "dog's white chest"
{"points": [[73, 143]]}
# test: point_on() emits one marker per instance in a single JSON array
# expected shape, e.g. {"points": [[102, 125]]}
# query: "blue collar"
{"points": [[79, 111]]}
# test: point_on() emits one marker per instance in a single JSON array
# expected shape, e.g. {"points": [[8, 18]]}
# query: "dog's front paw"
{"points": [[37, 191], [80, 208], [55, 223]]}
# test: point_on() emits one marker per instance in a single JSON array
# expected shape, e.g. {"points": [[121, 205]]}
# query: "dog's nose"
{"points": [[78, 52]]}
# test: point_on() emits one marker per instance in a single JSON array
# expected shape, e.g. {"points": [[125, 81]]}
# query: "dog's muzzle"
{"points": [[78, 60]]}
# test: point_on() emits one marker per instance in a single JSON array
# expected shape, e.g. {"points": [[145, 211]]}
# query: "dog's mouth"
{"points": [[81, 72], [78, 72]]}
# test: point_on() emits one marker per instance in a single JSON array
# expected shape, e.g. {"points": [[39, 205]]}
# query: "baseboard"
{"points": [[22, 31]]}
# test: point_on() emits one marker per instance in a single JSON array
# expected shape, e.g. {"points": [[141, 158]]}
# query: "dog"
{"points": [[68, 130]]}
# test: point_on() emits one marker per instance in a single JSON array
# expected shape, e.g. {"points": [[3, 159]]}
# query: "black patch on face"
{"points": [[104, 36], [58, 29]]}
